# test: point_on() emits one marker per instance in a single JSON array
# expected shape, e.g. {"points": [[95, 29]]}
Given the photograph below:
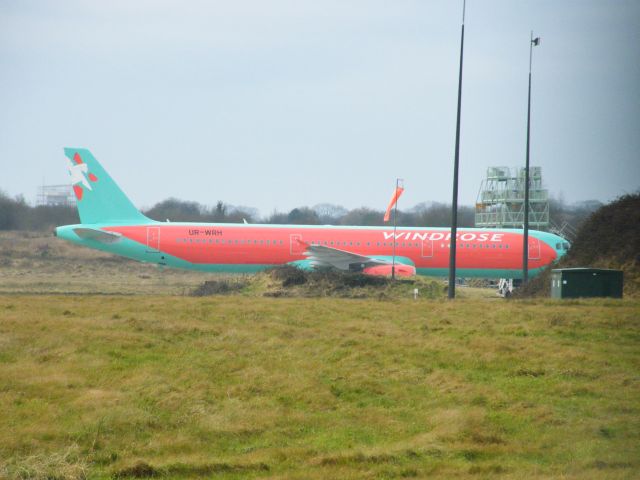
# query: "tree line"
{"points": [[17, 214]]}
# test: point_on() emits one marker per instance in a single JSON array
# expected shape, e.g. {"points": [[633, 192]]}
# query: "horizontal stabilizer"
{"points": [[97, 235]]}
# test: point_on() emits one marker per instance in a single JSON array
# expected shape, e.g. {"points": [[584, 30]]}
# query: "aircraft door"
{"points": [[534, 248], [153, 239], [427, 248], [296, 247]]}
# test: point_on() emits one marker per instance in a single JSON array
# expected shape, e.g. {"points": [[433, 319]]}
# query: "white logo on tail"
{"points": [[78, 174]]}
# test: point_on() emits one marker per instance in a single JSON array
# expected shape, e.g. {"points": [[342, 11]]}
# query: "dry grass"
{"points": [[33, 262], [66, 464], [245, 387]]}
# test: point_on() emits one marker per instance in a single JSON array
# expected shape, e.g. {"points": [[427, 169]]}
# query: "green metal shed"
{"points": [[586, 282]]}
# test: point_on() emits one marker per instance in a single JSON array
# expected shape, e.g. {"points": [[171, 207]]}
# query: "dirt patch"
{"points": [[144, 470]]}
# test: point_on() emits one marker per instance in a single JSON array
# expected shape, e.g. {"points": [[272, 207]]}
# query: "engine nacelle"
{"points": [[401, 269]]}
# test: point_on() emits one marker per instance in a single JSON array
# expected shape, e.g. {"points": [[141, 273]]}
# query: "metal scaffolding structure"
{"points": [[52, 195], [500, 200]]}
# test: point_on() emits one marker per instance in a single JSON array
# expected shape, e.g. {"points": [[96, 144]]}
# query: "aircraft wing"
{"points": [[98, 235], [323, 256]]}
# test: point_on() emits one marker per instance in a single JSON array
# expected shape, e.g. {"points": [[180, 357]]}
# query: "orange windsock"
{"points": [[394, 200]]}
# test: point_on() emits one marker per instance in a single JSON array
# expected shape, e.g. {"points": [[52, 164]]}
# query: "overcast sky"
{"points": [[282, 103]]}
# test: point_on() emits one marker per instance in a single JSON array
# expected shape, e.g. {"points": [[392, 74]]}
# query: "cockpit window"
{"points": [[566, 245]]}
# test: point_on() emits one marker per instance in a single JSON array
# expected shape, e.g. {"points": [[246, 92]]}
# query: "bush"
{"points": [[291, 276], [219, 287], [288, 275]]}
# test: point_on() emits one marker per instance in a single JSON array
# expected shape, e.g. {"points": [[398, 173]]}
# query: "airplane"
{"points": [[111, 223]]}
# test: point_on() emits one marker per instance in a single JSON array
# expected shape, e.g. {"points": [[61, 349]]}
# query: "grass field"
{"points": [[146, 382], [317, 388]]}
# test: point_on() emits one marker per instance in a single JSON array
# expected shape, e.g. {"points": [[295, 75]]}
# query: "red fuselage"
{"points": [[480, 252]]}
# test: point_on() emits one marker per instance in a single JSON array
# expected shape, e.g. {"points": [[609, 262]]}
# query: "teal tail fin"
{"points": [[98, 197]]}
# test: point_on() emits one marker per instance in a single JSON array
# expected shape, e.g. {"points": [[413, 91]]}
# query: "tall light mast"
{"points": [[454, 204]]}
